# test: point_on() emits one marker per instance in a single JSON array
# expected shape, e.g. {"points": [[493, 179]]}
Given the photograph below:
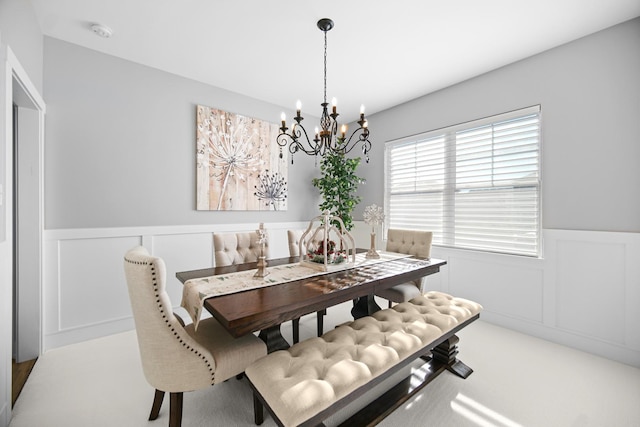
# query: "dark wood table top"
{"points": [[258, 309]]}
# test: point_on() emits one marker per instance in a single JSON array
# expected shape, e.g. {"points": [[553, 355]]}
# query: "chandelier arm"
{"points": [[363, 136], [283, 139], [312, 148], [294, 139]]}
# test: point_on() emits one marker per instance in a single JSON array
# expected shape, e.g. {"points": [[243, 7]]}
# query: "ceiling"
{"points": [[380, 53]]}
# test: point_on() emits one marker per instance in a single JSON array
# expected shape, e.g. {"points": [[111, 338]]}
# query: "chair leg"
{"points": [[390, 304], [321, 315], [296, 330], [258, 410], [175, 410], [157, 404]]}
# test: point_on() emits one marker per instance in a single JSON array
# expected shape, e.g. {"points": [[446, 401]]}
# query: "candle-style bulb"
{"points": [[298, 107], [361, 109], [343, 130]]}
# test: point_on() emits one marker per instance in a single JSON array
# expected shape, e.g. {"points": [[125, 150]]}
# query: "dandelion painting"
{"points": [[238, 163], [272, 189]]}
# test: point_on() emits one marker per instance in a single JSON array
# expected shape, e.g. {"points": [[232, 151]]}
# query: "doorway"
{"points": [[26, 282], [26, 310], [27, 226]]}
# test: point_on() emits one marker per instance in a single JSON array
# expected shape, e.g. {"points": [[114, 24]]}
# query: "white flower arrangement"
{"points": [[373, 215]]}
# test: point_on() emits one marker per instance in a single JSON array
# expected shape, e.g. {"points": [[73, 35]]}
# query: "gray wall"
{"points": [[589, 91], [120, 136], [120, 145], [20, 30]]}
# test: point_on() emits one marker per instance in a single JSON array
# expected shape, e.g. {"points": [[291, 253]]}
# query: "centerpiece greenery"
{"points": [[338, 185], [333, 256]]}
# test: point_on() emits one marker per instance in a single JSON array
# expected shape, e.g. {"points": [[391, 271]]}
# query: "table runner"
{"points": [[195, 291]]}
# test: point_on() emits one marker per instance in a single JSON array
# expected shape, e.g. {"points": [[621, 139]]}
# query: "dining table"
{"points": [[264, 307]]}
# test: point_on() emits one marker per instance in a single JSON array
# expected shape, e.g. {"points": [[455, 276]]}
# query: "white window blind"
{"points": [[475, 185]]}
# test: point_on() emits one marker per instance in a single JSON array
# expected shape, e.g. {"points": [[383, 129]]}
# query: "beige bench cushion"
{"points": [[308, 377]]}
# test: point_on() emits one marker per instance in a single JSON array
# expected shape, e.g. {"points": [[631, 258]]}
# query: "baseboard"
{"points": [[85, 333], [5, 414]]}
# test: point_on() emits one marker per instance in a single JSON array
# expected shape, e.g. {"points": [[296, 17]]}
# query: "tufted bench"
{"points": [[311, 380]]}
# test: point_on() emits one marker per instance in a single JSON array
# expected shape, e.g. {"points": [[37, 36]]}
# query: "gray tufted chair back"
{"points": [[294, 241], [411, 242], [237, 248]]}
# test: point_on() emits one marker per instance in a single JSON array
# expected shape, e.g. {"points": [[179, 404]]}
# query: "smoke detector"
{"points": [[102, 30]]}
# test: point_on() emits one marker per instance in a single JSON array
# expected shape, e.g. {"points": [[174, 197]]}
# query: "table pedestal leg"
{"points": [[274, 339], [364, 306]]}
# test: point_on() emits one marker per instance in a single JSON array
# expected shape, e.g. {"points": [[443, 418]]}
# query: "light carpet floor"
{"points": [[518, 380]]}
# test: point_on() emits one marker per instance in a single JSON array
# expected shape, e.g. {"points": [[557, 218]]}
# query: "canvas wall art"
{"points": [[238, 163]]}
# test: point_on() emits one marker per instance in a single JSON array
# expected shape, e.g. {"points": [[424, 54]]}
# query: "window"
{"points": [[475, 185]]}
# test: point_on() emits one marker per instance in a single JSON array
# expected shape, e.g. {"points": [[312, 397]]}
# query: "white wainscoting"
{"points": [[584, 293], [84, 289]]}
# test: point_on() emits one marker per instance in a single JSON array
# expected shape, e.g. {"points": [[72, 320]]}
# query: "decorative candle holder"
{"points": [[372, 253], [262, 262], [373, 215]]}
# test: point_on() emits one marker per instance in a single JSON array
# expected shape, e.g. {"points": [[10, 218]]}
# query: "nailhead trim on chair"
{"points": [[166, 319]]}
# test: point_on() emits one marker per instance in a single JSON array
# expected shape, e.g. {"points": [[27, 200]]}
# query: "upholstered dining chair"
{"points": [[176, 358], [294, 237], [410, 242], [237, 248]]}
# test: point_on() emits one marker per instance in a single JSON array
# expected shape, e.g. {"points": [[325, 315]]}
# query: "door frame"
{"points": [[17, 87]]}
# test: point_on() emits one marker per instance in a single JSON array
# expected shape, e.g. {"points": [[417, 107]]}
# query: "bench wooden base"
{"points": [[439, 356], [395, 397]]}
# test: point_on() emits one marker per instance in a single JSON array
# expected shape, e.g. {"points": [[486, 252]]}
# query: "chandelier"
{"points": [[326, 139]]}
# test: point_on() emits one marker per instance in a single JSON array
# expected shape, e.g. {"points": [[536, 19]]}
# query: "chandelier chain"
{"points": [[325, 66]]}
